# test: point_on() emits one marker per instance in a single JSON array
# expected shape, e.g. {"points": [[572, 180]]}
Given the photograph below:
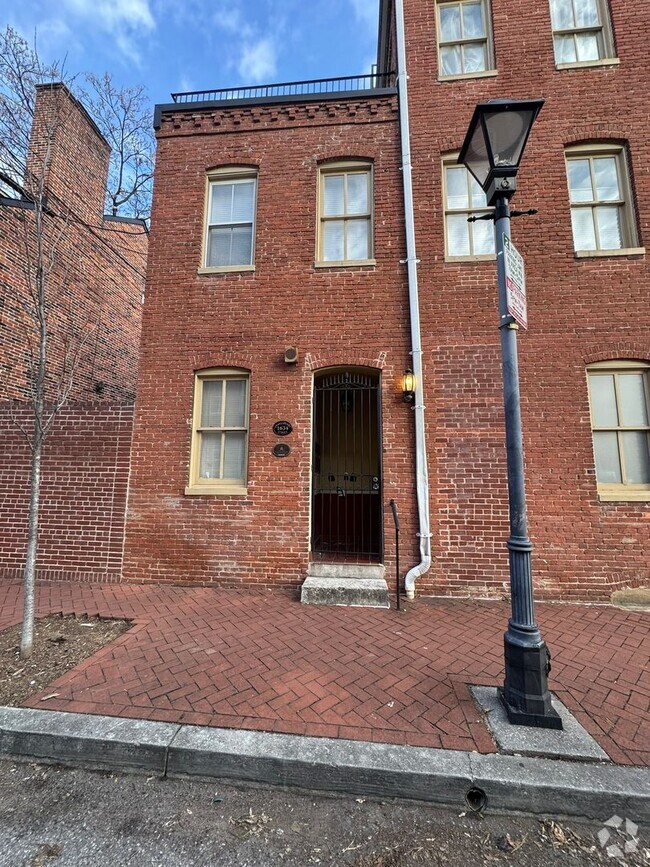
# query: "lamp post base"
{"points": [[525, 694]]}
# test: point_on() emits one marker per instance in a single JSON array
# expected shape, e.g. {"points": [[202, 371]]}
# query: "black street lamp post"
{"points": [[492, 151]]}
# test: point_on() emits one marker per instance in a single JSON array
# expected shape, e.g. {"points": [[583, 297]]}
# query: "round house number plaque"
{"points": [[282, 428], [281, 450]]}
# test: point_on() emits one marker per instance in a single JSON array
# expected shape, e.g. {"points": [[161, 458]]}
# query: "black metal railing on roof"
{"points": [[291, 89]]}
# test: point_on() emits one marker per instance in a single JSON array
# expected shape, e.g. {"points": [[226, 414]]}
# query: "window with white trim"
{"points": [[219, 432], [464, 198], [602, 216], [464, 38], [230, 219], [581, 31], [620, 420], [345, 214]]}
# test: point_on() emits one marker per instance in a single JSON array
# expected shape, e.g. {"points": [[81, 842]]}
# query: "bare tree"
{"points": [[53, 329], [124, 118]]}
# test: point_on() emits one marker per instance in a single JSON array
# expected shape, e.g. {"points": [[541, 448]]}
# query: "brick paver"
{"points": [[264, 661]]}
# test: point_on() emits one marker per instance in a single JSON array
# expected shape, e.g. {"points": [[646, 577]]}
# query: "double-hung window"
{"points": [[230, 223], [620, 421], [345, 214], [581, 31], [219, 432], [602, 216], [464, 198], [464, 40]]}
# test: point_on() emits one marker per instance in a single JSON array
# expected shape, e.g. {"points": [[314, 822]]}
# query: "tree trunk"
{"points": [[29, 574]]}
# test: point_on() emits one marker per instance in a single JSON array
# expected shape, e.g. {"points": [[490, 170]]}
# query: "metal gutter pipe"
{"points": [[421, 472]]}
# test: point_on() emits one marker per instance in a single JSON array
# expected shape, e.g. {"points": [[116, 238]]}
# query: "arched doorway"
{"points": [[346, 466]]}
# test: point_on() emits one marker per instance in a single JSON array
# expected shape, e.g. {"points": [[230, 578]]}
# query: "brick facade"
{"points": [[580, 310], [95, 297]]}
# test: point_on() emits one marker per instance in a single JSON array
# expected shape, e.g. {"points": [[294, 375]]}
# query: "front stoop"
{"points": [[343, 584]]}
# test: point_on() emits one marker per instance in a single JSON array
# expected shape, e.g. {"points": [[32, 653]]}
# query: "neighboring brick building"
{"points": [[278, 223], [95, 292]]}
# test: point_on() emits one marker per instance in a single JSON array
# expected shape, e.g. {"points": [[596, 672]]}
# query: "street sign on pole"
{"points": [[515, 283]]}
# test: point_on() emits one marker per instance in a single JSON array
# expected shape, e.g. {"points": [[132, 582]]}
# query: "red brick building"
{"points": [[271, 432], [95, 298]]}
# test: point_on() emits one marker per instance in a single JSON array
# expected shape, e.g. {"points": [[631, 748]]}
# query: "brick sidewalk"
{"points": [[263, 661]]}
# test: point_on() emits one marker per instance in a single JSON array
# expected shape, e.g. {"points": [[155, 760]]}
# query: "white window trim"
{"points": [[490, 68], [449, 161], [619, 492], [225, 175], [196, 486], [609, 58], [627, 208], [345, 167]]}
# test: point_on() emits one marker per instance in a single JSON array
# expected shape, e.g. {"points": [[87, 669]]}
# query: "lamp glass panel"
{"points": [[634, 410], [608, 463], [608, 220], [476, 156], [603, 400], [636, 457], [565, 49], [474, 57], [450, 23], [457, 235], [483, 237], [507, 132], [606, 179], [451, 60], [587, 47], [584, 233], [580, 188], [211, 403], [457, 188], [479, 199]]}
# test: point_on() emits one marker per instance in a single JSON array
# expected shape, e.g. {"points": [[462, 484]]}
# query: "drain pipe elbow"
{"points": [[411, 576]]}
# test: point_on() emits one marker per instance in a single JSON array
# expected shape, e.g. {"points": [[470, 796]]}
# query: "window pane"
{"points": [[333, 195], [608, 465], [562, 14], [221, 211], [218, 247], [587, 47], [357, 238], [235, 403], [233, 455], [609, 228], [241, 245], [565, 49], [483, 237], [456, 188], [243, 202], [636, 457], [450, 60], [606, 179], [586, 12], [580, 181], [211, 403], [333, 241], [358, 194], [473, 21], [603, 400], [210, 455], [631, 395], [582, 223], [457, 235], [449, 23], [474, 58]]}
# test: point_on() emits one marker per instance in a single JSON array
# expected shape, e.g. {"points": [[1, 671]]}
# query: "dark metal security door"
{"points": [[346, 477]]}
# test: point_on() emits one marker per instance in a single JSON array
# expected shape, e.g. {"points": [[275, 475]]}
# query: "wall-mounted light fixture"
{"points": [[408, 386], [291, 355]]}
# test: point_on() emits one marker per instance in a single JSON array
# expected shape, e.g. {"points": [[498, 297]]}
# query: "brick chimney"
{"points": [[77, 171]]}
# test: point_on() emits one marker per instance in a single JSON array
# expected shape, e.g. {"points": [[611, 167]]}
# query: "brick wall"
{"points": [[83, 494]]}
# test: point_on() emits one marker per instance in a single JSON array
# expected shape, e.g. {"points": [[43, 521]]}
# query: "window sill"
{"points": [[459, 260], [211, 490], [357, 263], [594, 254], [624, 496], [463, 76], [225, 269], [586, 64]]}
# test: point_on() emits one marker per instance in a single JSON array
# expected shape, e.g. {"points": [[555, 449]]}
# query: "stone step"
{"points": [[345, 570], [368, 592]]}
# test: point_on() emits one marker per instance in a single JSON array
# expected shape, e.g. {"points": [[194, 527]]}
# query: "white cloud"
{"points": [[367, 12], [258, 61], [124, 20]]}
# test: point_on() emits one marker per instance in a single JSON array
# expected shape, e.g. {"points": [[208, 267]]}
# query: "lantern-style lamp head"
{"points": [[408, 386], [495, 142]]}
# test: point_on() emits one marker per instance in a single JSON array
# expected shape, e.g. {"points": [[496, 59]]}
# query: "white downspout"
{"points": [[421, 473]]}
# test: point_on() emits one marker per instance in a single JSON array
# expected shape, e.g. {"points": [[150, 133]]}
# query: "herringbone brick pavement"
{"points": [[263, 661]]}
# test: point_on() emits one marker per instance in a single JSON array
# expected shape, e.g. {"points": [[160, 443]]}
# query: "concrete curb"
{"points": [[525, 784]]}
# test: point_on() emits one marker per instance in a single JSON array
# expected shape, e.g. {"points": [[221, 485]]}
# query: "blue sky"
{"points": [[172, 45]]}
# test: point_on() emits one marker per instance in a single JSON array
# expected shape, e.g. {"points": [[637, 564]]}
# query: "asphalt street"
{"points": [[57, 817]]}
